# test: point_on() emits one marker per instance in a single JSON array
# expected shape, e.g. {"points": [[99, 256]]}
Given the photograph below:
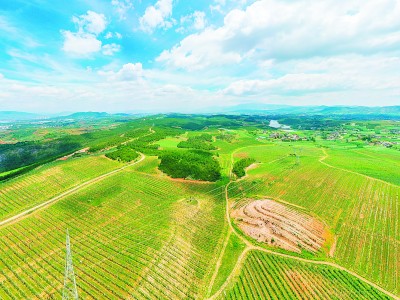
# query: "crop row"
{"points": [[127, 231], [364, 213], [266, 276], [48, 181]]}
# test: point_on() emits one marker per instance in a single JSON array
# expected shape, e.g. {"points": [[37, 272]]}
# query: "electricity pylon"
{"points": [[69, 291], [297, 154]]}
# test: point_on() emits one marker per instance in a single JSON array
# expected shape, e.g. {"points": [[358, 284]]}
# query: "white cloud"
{"points": [[14, 32], [197, 51], [128, 72], [196, 20], [110, 49], [110, 35], [157, 16], [85, 41], [278, 29], [122, 7], [344, 73], [221, 5], [199, 20], [91, 22], [288, 83], [80, 43], [1, 76]]}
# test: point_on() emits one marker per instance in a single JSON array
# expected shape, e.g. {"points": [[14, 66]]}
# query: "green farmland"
{"points": [[140, 233]]}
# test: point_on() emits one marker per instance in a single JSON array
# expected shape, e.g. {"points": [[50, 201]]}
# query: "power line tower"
{"points": [[297, 153], [69, 291]]}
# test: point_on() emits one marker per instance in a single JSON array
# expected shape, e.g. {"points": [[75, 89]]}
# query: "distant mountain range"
{"points": [[23, 116], [16, 115], [256, 108], [313, 110]]}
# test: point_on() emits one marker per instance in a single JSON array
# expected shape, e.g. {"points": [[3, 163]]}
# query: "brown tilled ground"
{"points": [[280, 225]]}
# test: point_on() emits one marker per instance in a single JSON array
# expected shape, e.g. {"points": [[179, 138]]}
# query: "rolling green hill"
{"points": [[138, 233]]}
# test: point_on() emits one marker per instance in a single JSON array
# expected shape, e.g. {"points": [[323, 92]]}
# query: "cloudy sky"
{"points": [[180, 55]]}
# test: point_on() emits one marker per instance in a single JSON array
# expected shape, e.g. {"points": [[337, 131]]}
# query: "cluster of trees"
{"points": [[102, 140], [123, 153], [14, 156], [147, 144], [200, 142], [192, 164], [224, 136], [28, 155], [199, 122], [240, 166]]}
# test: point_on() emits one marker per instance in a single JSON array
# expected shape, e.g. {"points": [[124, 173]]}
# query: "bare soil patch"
{"points": [[252, 166], [279, 225], [333, 248], [242, 155], [84, 150], [189, 180]]}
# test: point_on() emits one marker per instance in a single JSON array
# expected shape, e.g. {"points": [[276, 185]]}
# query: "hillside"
{"points": [[292, 214], [17, 115]]}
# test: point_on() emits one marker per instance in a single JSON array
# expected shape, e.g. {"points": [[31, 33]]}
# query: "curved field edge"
{"points": [[362, 212], [233, 250], [268, 276], [381, 164]]}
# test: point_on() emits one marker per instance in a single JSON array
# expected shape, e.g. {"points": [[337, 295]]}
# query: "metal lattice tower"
{"points": [[69, 291], [297, 153]]}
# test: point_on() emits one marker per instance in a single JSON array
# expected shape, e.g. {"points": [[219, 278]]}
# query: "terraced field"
{"points": [[280, 226]]}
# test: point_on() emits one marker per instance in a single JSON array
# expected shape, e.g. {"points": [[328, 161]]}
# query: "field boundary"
{"points": [[250, 246], [326, 155], [66, 193], [243, 256]]}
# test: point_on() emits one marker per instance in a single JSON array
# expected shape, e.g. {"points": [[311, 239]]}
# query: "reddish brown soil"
{"points": [[280, 225], [189, 180]]}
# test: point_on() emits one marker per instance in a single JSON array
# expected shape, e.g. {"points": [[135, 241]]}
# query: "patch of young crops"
{"points": [[363, 212], [132, 235], [48, 181], [267, 276], [376, 162]]}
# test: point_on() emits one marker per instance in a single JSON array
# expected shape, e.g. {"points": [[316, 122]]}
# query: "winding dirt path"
{"points": [[245, 252], [251, 247], [23, 214], [326, 155]]}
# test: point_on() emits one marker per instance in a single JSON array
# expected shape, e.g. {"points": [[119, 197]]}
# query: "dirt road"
{"points": [[66, 193]]}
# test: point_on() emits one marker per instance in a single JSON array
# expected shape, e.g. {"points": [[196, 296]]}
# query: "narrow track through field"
{"points": [[68, 192], [250, 247]]}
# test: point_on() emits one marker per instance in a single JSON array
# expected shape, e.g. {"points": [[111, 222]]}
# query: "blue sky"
{"points": [[188, 56]]}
